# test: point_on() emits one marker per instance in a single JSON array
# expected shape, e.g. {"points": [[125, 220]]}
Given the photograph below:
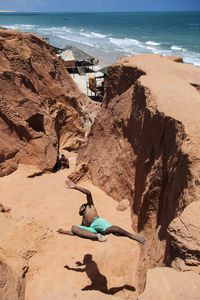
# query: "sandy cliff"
{"points": [[41, 108], [144, 146]]}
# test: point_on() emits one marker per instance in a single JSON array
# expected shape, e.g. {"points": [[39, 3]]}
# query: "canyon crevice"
{"points": [[144, 146]]}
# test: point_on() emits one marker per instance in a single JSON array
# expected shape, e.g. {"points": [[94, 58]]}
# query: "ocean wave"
{"points": [[21, 27], [152, 43], [99, 35], [93, 34], [127, 45], [108, 43], [54, 30], [86, 34], [133, 46], [178, 48], [153, 50], [192, 58], [76, 39]]}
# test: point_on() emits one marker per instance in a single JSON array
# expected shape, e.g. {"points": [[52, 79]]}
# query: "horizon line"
{"points": [[112, 11]]}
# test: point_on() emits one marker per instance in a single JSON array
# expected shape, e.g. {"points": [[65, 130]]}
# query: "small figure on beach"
{"points": [[93, 227], [62, 162]]}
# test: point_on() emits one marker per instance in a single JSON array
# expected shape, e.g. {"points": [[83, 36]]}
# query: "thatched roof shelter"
{"points": [[72, 53]]}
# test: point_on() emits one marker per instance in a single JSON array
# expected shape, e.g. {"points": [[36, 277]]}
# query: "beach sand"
{"points": [[104, 56]]}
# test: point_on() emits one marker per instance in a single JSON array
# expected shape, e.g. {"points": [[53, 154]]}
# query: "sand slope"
{"points": [[44, 200]]}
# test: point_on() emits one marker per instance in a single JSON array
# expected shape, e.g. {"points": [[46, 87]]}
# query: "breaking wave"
{"points": [[177, 48], [152, 43], [108, 43]]}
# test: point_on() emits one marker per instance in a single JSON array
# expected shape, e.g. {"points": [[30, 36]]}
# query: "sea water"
{"points": [[113, 35]]}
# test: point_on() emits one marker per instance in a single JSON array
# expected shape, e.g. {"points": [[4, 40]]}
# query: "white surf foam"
{"points": [[108, 43], [127, 45], [99, 35], [93, 35], [152, 43], [21, 27], [76, 39], [173, 47]]}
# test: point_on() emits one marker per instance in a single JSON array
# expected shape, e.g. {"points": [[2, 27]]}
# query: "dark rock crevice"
{"points": [[36, 122], [121, 78], [137, 151]]}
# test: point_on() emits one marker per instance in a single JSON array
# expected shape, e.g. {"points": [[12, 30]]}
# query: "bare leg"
{"points": [[121, 232], [83, 233], [62, 231]]}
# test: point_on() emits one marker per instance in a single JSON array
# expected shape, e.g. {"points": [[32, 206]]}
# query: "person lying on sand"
{"points": [[93, 227]]}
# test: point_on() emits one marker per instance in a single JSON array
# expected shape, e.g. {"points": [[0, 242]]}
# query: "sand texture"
{"points": [[43, 204]]}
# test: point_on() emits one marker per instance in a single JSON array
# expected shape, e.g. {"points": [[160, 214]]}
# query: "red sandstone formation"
{"points": [[144, 145], [166, 283], [185, 239], [41, 108]]}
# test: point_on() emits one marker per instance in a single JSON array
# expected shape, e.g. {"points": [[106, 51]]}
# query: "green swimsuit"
{"points": [[99, 225]]}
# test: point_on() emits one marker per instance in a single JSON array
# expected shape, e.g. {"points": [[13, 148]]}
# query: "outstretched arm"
{"points": [[74, 269], [88, 194]]}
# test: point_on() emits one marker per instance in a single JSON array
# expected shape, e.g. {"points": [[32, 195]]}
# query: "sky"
{"points": [[99, 5]]}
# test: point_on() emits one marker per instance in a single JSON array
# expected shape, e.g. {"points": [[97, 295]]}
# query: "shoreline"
{"points": [[105, 57], [110, 37]]}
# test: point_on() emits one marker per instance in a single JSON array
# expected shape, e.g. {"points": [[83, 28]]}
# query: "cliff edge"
{"points": [[144, 147]]}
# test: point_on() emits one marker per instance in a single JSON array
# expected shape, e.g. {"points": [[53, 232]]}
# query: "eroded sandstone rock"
{"points": [[185, 238], [41, 108], [123, 205], [166, 283], [144, 144]]}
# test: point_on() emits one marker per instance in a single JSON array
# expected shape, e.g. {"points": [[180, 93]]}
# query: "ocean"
{"points": [[112, 35]]}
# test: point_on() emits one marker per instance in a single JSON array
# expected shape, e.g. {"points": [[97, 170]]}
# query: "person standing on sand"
{"points": [[93, 227]]}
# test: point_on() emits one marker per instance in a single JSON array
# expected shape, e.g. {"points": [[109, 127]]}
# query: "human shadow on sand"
{"points": [[98, 281]]}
